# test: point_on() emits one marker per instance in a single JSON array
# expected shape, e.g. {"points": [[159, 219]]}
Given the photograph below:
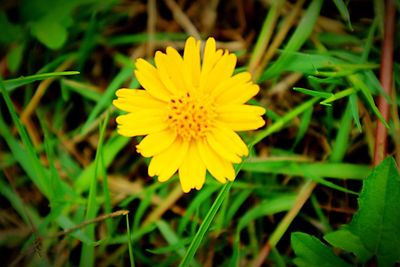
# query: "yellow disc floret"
{"points": [[190, 117]]}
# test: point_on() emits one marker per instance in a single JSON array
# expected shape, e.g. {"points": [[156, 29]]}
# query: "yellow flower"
{"points": [[188, 112]]}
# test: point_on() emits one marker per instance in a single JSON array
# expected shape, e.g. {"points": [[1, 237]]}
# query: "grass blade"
{"points": [[313, 92], [18, 82], [318, 169], [108, 95], [25, 155], [191, 251], [359, 84], [279, 124], [131, 259], [342, 137], [111, 149], [341, 6], [87, 253], [298, 38]]}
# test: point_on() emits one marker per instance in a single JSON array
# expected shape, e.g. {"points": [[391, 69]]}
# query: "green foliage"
{"points": [[297, 39], [341, 6], [310, 252], [373, 231], [377, 222], [347, 241]]}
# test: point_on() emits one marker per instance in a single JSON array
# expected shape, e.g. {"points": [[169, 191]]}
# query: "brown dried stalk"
{"points": [[386, 78]]}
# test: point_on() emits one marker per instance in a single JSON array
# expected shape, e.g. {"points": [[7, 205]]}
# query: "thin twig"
{"points": [[94, 220], [280, 36], [301, 199], [182, 19], [164, 206], [30, 108], [151, 26], [386, 78]]}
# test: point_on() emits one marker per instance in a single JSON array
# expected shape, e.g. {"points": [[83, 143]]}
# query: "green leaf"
{"points": [[321, 169], [26, 155], [281, 202], [51, 33], [87, 252], [336, 39], [18, 82], [84, 90], [377, 221], [312, 92], [194, 245], [341, 6], [282, 121], [297, 40], [338, 95], [14, 57], [358, 83], [9, 32], [346, 240], [202, 195], [114, 144], [311, 252], [341, 144], [130, 247], [107, 97], [354, 111]]}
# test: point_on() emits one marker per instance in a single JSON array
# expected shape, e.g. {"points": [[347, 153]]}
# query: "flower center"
{"points": [[190, 117]]}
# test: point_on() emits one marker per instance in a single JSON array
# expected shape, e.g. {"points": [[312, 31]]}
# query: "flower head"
{"points": [[188, 112]]}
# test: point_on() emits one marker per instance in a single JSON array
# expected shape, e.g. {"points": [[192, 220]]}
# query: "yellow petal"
{"points": [[238, 94], [222, 70], [156, 143], [178, 64], [191, 59], [218, 167], [220, 147], [141, 123], [230, 139], [148, 77], [169, 73], [247, 110], [211, 56], [132, 100], [192, 172], [239, 79], [244, 125], [241, 117], [167, 162]]}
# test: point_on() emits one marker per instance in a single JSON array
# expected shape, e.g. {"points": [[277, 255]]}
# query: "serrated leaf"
{"points": [[311, 252], [346, 240], [377, 221]]}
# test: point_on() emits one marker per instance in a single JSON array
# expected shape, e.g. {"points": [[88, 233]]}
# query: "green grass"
{"points": [[67, 177]]}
